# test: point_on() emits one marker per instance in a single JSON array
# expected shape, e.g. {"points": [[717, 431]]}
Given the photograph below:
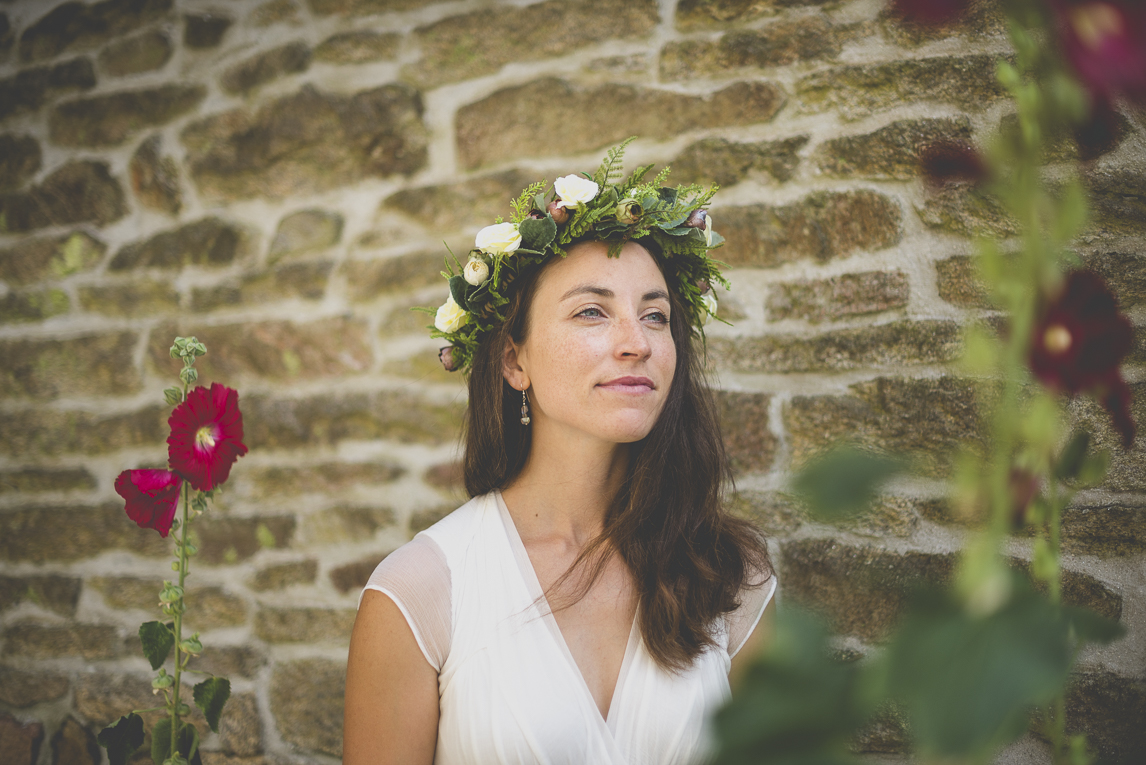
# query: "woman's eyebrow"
{"points": [[582, 289]]}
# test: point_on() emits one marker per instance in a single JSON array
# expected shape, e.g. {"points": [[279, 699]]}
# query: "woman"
{"points": [[587, 605]]}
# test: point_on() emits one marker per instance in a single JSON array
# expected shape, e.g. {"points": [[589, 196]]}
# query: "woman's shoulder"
{"points": [[458, 526]]}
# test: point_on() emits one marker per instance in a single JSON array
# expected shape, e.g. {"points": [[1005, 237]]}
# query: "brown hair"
{"points": [[689, 558]]}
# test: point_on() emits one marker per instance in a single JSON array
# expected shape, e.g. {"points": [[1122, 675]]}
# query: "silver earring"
{"points": [[524, 408]]}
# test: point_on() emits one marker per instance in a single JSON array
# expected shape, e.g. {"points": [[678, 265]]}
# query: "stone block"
{"points": [[982, 18], [307, 142], [305, 231], [204, 30], [337, 525], [750, 444], [1127, 468], [31, 260], [775, 514], [326, 478], [306, 700], [859, 90], [447, 475], [892, 152], [102, 697], [966, 211], [1125, 274], [241, 727], [228, 540], [524, 120], [32, 305], [33, 534], [924, 419], [304, 625], [459, 47], [821, 226], [726, 163], [7, 36], [206, 242], [781, 43], [304, 281], [49, 432], [144, 52], [471, 203], [1079, 589], [19, 742], [1108, 531], [278, 576], [258, 70], [34, 641], [353, 576], [359, 47], [75, 25], [366, 280], [886, 345], [361, 7], [959, 283], [838, 297], [109, 120], [420, 520], [1118, 202], [33, 480], [154, 178], [703, 14], [21, 688], [311, 422], [80, 191], [273, 12], [208, 607], [231, 661], [1109, 709], [885, 733], [31, 88], [73, 744], [142, 297], [20, 159], [49, 591], [86, 366]]}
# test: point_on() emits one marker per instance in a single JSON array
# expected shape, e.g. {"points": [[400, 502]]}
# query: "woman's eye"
{"points": [[658, 316], [590, 312]]}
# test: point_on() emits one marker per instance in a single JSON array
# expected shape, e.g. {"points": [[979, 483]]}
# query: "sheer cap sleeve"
{"points": [[416, 577], [753, 600]]}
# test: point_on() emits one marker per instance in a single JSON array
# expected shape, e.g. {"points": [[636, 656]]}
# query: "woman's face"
{"points": [[599, 354]]}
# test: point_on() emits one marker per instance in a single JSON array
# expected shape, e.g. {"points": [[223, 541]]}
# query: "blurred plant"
{"points": [[969, 665], [206, 439]]}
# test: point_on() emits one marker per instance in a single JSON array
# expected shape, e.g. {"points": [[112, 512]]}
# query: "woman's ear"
{"points": [[512, 366]]}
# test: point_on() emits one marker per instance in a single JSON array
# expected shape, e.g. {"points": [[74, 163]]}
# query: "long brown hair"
{"points": [[688, 557]]}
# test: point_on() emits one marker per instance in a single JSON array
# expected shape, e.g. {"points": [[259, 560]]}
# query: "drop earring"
{"points": [[524, 408]]}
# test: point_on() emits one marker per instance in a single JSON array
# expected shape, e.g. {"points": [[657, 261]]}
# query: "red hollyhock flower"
{"points": [[206, 436], [1079, 343], [946, 162], [929, 12], [1105, 42], [152, 497]]}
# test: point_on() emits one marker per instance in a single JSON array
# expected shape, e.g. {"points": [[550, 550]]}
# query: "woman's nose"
{"points": [[631, 338]]}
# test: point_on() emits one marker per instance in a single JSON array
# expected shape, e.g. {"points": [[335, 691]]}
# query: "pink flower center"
{"points": [[205, 438], [1095, 23], [1057, 339]]}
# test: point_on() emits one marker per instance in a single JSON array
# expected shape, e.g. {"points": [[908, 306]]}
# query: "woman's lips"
{"points": [[629, 384]]}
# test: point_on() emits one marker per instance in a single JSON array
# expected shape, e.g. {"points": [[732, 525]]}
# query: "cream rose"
{"points": [[450, 316], [708, 234], [498, 239], [575, 190], [476, 271], [709, 301]]}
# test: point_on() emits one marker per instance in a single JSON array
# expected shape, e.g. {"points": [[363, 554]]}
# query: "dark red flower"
{"points": [[946, 162], [1105, 42], [206, 436], [929, 12], [1101, 133], [152, 497], [1079, 342]]}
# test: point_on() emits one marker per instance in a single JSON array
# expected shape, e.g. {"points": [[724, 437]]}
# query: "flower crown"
{"points": [[599, 207]]}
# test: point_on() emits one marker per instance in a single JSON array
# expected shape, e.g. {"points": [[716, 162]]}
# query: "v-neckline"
{"points": [[533, 585]]}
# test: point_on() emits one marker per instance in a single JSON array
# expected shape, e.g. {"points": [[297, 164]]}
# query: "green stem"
{"points": [[179, 615]]}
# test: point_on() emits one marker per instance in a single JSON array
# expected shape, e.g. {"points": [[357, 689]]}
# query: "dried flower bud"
{"points": [[446, 356], [702, 286], [476, 271], [559, 214], [629, 211], [536, 215], [696, 220]]}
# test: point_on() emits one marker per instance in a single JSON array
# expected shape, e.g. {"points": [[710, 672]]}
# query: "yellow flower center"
{"points": [[1094, 22], [205, 438], [1057, 339]]}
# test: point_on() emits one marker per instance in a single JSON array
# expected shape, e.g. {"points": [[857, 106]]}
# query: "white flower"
{"points": [[575, 190], [476, 271], [709, 301], [499, 239], [450, 316], [708, 234]]}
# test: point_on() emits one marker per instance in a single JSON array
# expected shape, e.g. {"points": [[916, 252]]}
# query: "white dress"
{"points": [[509, 689]]}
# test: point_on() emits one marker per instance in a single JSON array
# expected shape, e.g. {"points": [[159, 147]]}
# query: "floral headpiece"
{"points": [[599, 207]]}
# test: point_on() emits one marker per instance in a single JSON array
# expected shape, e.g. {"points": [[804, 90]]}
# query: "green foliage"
{"points": [[122, 738], [842, 482], [537, 233], [210, 696], [523, 205], [611, 166], [187, 743], [157, 640]]}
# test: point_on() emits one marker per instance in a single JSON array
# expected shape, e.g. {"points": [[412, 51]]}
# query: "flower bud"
{"points": [[192, 646], [560, 214], [696, 219], [702, 286], [446, 356], [163, 681], [476, 271], [629, 211]]}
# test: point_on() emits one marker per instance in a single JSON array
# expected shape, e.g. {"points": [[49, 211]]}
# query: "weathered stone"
{"points": [[264, 67], [78, 192], [857, 91], [420, 520], [404, 320], [33, 305], [304, 625], [892, 152], [447, 475], [230, 540], [959, 284], [19, 160], [779, 44], [222, 758], [241, 728], [725, 163], [307, 142], [358, 47], [83, 366], [362, 7], [6, 36], [981, 18], [822, 226], [31, 260], [1079, 589], [344, 524], [73, 744], [886, 345], [962, 209], [22, 688], [455, 206], [838, 297], [31, 88], [75, 25], [51, 591], [458, 47], [102, 697], [32, 533], [273, 12], [208, 607], [204, 30], [306, 701], [773, 513], [305, 231], [155, 179], [521, 121], [31, 480], [34, 641], [1118, 201], [231, 661], [144, 297], [366, 280], [141, 53], [353, 576], [694, 14], [324, 478], [109, 120], [885, 733], [750, 444], [1127, 468], [206, 242], [306, 281], [1112, 530], [924, 419], [1109, 709], [19, 742], [422, 365], [1125, 274], [51, 432], [280, 575]]}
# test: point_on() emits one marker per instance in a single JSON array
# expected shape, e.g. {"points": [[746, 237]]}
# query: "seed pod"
{"points": [[559, 214]]}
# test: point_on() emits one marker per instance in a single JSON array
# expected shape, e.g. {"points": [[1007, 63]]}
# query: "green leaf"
{"points": [[157, 641], [458, 286], [1092, 628], [188, 743], [122, 738], [1093, 470], [843, 481], [210, 696]]}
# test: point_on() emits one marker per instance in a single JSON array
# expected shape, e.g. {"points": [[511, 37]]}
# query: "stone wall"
{"points": [[277, 177]]}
